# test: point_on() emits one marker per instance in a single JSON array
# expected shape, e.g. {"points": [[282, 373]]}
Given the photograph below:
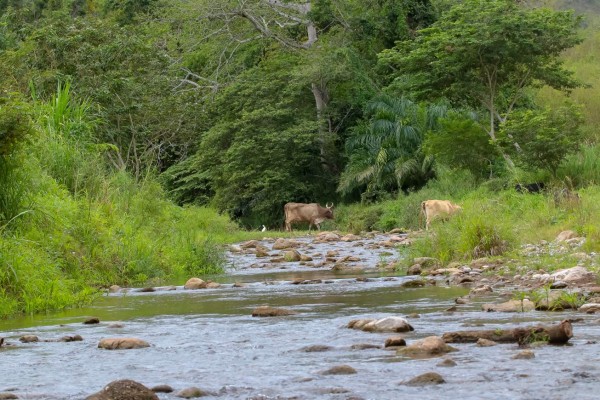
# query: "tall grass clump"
{"points": [[67, 148], [582, 168]]}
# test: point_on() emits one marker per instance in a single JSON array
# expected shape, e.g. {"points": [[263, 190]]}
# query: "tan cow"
{"points": [[312, 213], [433, 209]]}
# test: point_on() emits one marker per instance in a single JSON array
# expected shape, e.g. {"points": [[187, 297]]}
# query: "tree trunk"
{"points": [[555, 334]]}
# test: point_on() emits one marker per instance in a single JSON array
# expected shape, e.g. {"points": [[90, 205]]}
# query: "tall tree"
{"points": [[486, 54]]}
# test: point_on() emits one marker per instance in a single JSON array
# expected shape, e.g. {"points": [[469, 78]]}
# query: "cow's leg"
{"points": [[288, 226]]}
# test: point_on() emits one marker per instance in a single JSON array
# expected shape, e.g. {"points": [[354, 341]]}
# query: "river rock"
{"points": [[213, 285], [590, 308], [481, 290], [114, 289], [162, 389], [414, 269], [73, 338], [554, 300], [195, 283], [282, 244], [510, 306], [122, 344], [250, 244], [389, 324], [262, 251], [430, 346], [8, 396], [565, 235], [91, 321], [481, 342], [414, 283], [124, 390], [447, 362], [191, 392], [524, 355], [29, 339], [395, 341], [577, 275], [350, 238], [428, 378], [339, 370], [327, 237], [267, 311], [292, 256]]}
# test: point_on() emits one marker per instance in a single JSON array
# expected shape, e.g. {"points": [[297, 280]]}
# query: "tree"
{"points": [[260, 151], [486, 54], [120, 70], [459, 142], [384, 151], [546, 136]]}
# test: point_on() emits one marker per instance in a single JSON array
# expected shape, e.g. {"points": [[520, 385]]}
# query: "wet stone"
{"points": [[29, 339], [447, 362], [395, 341], [122, 344], [191, 392], [267, 311], [8, 396], [426, 379], [124, 390], [91, 321], [339, 370], [524, 355], [316, 348], [162, 389]]}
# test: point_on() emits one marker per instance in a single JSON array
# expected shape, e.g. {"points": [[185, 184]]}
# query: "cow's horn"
{"points": [[329, 206]]}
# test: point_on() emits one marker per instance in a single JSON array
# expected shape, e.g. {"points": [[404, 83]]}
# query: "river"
{"points": [[207, 338]]}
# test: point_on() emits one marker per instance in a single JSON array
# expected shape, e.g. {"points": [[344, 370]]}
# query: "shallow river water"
{"points": [[208, 338]]}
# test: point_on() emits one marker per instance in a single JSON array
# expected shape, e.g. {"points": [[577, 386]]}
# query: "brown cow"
{"points": [[312, 213], [437, 209]]}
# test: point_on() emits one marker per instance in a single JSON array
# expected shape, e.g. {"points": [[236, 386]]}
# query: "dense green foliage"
{"points": [[133, 131]]}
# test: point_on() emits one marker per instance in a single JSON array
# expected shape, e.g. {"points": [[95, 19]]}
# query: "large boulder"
{"points": [[590, 308], [575, 275], [122, 343], [195, 283], [389, 324], [124, 390], [431, 346]]}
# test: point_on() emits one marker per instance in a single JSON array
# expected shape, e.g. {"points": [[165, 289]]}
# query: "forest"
{"points": [[137, 137]]}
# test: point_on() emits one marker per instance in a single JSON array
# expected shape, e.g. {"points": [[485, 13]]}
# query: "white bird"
{"points": [[264, 229]]}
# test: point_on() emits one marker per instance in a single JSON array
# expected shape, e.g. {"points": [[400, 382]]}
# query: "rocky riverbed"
{"points": [[326, 316]]}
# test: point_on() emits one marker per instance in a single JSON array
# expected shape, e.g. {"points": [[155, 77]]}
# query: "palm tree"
{"points": [[384, 151]]}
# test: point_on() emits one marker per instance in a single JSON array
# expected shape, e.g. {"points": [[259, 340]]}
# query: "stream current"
{"points": [[208, 338]]}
